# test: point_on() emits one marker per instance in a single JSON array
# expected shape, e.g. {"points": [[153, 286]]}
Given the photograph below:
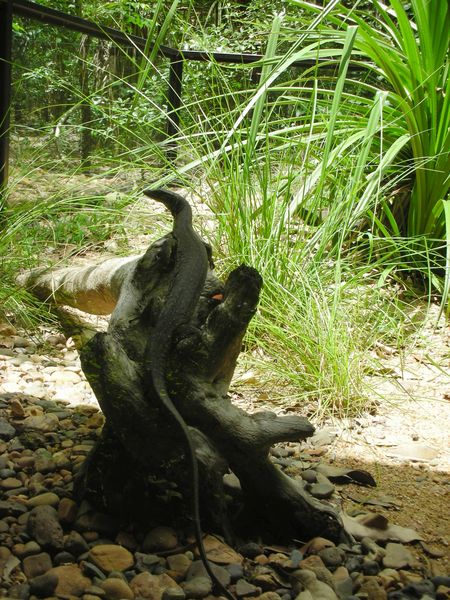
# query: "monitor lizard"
{"points": [[189, 273]]}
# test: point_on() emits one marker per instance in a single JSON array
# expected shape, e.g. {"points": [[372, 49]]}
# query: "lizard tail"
{"points": [[174, 202]]}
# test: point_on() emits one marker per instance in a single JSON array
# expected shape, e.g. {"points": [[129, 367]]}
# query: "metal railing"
{"points": [[32, 10]]}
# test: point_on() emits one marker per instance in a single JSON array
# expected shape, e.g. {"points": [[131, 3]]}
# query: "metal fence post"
{"points": [[5, 90], [174, 102]]}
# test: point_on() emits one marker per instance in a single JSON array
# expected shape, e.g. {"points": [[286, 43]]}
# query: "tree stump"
{"points": [[139, 469]]}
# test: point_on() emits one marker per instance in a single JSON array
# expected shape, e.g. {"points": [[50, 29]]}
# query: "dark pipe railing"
{"points": [[50, 16], [6, 18]]}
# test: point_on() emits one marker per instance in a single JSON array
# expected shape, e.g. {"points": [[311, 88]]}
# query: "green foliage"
{"points": [[332, 179], [41, 234]]}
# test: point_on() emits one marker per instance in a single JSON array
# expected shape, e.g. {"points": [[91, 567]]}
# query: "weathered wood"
{"points": [[142, 453], [93, 289]]}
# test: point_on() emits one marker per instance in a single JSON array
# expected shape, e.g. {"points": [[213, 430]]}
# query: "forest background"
{"points": [[330, 177]]}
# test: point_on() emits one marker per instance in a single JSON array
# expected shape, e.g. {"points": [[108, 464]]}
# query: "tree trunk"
{"points": [[142, 454]]}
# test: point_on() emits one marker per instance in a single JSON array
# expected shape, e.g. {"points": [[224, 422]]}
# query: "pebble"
{"points": [[179, 564], [7, 431], [44, 585], [160, 538], [173, 594], [198, 569], [373, 590], [397, 556], [197, 587], [109, 557], [309, 475], [44, 527], [150, 586], [71, 581], [318, 589], [43, 423], [47, 498], [332, 557], [322, 491], [116, 589], [244, 588], [37, 564]]}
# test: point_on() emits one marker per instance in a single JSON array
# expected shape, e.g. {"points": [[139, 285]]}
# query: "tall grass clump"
{"points": [[405, 51], [330, 180]]}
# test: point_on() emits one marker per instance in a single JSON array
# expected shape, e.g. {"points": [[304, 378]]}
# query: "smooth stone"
{"points": [[24, 462], [67, 511], [332, 557], [37, 564], [90, 570], [146, 562], [295, 559], [11, 509], [20, 491], [414, 452], [109, 557], [317, 589], [71, 581], [19, 591], [244, 588], [43, 526], [116, 589], [47, 498], [250, 550], [61, 460], [44, 585], [344, 588], [16, 408], [322, 491], [442, 592], [180, 564], [322, 438], [146, 585], [420, 589], [173, 594], [313, 561], [373, 590], [160, 538], [370, 567], [236, 571], [64, 377], [22, 550], [63, 558], [95, 590], [10, 483], [373, 550], [198, 569], [309, 475], [354, 563], [5, 473], [323, 574], [44, 462], [397, 556], [267, 582], [42, 423], [197, 587]]}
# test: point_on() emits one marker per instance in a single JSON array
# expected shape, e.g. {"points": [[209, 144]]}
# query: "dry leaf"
{"points": [[219, 552], [343, 475], [378, 528]]}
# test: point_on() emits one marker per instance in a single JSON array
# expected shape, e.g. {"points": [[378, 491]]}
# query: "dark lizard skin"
{"points": [[189, 274]]}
